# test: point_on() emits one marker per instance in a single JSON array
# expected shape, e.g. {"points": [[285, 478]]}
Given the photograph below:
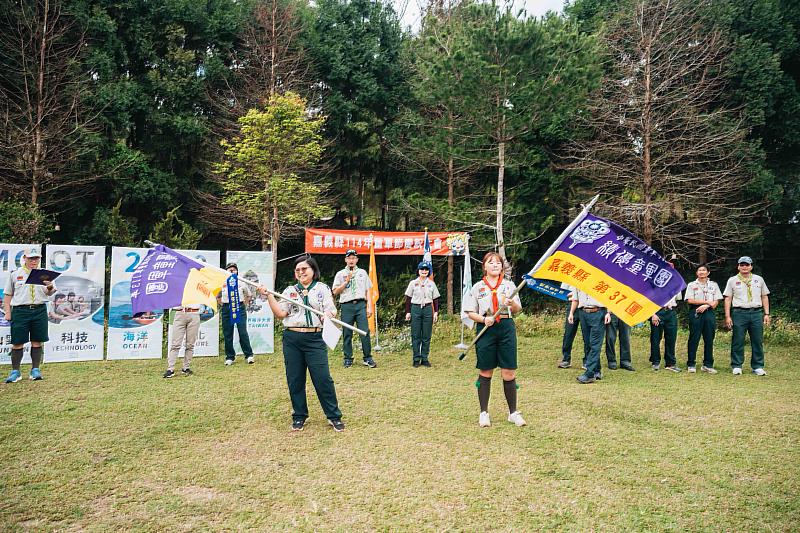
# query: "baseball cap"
{"points": [[424, 265], [350, 252], [229, 265], [33, 252], [746, 259]]}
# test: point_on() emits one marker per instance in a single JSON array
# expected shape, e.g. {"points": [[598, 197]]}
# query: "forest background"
{"points": [[234, 124]]}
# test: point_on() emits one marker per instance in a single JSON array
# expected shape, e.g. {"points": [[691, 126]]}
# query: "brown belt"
{"points": [[188, 310], [305, 330], [591, 309]]}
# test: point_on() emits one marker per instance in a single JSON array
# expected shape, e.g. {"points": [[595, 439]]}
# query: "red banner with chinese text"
{"points": [[338, 241]]}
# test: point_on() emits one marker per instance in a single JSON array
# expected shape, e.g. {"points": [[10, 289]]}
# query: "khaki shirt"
{"points": [[244, 292], [422, 292], [22, 294], [737, 289], [356, 288], [673, 303], [479, 298], [320, 298], [707, 292], [584, 300]]}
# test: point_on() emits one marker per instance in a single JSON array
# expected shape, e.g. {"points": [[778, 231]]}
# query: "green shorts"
{"points": [[498, 346], [28, 324]]}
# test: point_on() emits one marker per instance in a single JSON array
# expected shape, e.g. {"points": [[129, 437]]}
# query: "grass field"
{"points": [[113, 446]]}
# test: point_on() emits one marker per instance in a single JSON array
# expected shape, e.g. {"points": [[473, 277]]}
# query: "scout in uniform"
{"points": [[747, 311], [352, 286], [703, 296], [241, 325], [422, 309], [303, 346], [185, 326], [498, 346], [570, 331], [593, 317], [25, 307], [665, 323], [617, 328]]}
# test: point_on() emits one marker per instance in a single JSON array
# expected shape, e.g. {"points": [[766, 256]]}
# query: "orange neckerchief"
{"points": [[495, 301]]}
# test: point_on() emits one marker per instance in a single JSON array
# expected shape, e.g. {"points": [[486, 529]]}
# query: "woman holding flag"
{"points": [[498, 346], [303, 346]]}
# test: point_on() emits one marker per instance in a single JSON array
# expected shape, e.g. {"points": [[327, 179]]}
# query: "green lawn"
{"points": [[113, 446]]}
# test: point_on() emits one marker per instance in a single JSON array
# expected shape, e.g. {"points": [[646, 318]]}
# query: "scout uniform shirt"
{"points": [[244, 292], [673, 303], [746, 293], [318, 296], [422, 292], [479, 298], [708, 292], [356, 288], [584, 300], [25, 294]]}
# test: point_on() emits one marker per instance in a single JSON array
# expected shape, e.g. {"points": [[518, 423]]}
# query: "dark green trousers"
{"points": [[355, 313], [668, 329], [227, 331], [421, 330], [570, 331], [618, 328], [307, 351], [747, 321], [593, 330], [701, 325]]}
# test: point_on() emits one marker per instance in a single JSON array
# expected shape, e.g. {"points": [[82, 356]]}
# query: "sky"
{"points": [[409, 10]]}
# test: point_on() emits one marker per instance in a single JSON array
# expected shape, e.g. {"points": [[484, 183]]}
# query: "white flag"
{"points": [[466, 285], [330, 334]]}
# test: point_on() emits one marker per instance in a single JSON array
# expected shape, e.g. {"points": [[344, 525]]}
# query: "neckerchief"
{"points": [[304, 293], [31, 288], [495, 301], [747, 283]]}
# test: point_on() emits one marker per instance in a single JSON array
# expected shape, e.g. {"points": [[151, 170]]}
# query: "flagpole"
{"points": [[375, 314], [275, 294], [461, 345], [539, 263]]}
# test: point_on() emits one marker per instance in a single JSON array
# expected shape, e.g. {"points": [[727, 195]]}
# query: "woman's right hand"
{"points": [[488, 320], [408, 317]]}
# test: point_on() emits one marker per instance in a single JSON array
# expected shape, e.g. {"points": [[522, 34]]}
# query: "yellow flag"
{"points": [[374, 293]]}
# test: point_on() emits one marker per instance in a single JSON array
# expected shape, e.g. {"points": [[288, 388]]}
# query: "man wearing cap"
{"points": [[241, 325], [352, 285], [747, 311], [25, 307]]}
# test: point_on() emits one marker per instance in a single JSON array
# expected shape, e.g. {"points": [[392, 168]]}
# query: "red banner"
{"points": [[338, 241]]}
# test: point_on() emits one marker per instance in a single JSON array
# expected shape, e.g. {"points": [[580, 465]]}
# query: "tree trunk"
{"points": [[276, 233], [38, 148], [501, 170], [648, 195]]}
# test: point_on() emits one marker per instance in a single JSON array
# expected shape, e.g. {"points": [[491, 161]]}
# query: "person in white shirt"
{"points": [[703, 296], [747, 312]]}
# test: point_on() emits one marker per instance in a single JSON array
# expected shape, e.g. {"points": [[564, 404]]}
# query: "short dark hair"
{"points": [[703, 265], [70, 294], [311, 262], [59, 296]]}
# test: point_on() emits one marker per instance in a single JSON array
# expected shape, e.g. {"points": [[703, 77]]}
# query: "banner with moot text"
{"points": [[256, 267], [338, 241], [76, 314], [207, 344], [613, 266], [129, 337], [10, 260]]}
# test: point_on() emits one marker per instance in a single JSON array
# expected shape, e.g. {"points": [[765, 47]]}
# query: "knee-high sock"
{"points": [[36, 356], [16, 358], [510, 388], [484, 385]]}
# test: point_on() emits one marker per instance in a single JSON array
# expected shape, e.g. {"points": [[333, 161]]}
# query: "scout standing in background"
{"points": [[422, 309], [241, 324], [703, 296], [25, 307], [498, 346], [352, 286], [614, 328], [303, 347], [570, 331], [185, 326], [593, 317], [747, 311], [665, 323]]}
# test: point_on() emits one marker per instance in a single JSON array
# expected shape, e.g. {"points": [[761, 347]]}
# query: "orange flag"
{"points": [[374, 293]]}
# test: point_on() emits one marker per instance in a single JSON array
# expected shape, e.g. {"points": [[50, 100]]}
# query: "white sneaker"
{"points": [[737, 371], [483, 420], [251, 360], [516, 418], [760, 372], [708, 369], [228, 362], [692, 369]]}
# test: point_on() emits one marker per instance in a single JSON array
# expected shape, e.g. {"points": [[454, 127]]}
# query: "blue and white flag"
{"points": [[466, 285]]}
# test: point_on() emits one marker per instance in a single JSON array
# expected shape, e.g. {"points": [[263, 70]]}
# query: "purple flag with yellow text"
{"points": [[613, 266], [166, 278]]}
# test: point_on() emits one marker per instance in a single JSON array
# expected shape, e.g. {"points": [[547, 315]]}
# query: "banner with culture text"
{"points": [[615, 267], [10, 260], [130, 337], [76, 313], [256, 267], [338, 241], [208, 336]]}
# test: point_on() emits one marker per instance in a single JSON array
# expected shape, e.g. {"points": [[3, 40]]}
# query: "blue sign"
{"points": [[547, 287]]}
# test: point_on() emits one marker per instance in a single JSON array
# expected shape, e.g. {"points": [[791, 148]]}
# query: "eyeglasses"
{"points": [[301, 269]]}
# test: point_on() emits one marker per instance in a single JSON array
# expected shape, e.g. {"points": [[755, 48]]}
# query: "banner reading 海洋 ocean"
{"points": [[614, 266], [129, 337], [256, 267], [10, 259], [76, 312]]}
